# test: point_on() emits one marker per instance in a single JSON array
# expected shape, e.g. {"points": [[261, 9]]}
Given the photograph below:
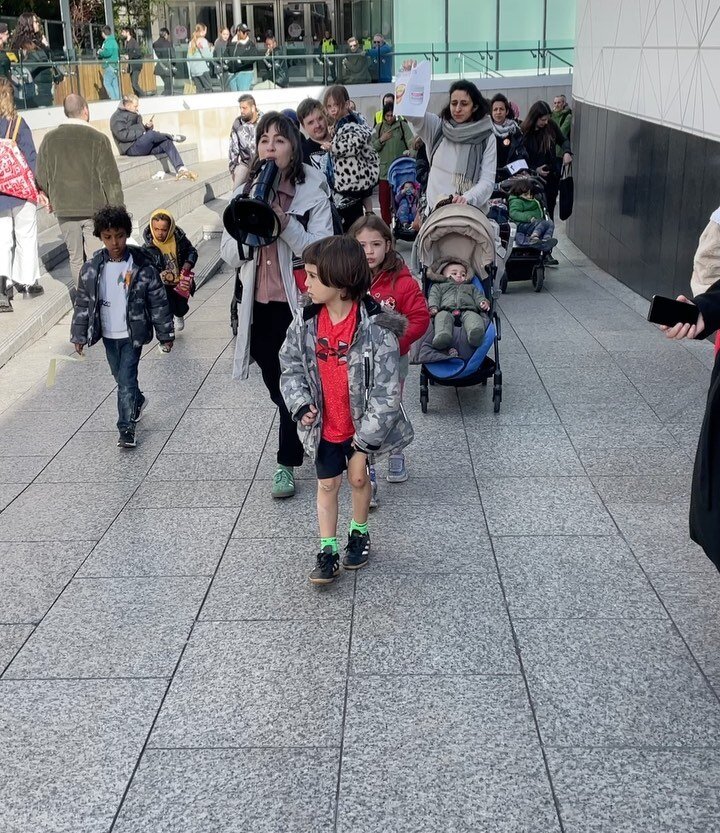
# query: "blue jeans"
{"points": [[540, 228], [111, 82], [152, 143], [123, 359], [241, 81]]}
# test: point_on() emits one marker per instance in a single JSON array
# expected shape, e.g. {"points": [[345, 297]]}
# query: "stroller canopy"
{"points": [[402, 170], [458, 231]]}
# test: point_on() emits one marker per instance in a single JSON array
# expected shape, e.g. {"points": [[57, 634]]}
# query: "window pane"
{"points": [[521, 27], [561, 28]]}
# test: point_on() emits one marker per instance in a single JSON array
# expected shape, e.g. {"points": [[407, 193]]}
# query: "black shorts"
{"points": [[332, 458]]}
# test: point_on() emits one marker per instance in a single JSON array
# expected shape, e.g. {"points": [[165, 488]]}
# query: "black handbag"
{"points": [[566, 192]]}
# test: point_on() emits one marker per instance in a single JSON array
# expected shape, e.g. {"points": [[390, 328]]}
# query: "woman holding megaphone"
{"points": [[300, 202]]}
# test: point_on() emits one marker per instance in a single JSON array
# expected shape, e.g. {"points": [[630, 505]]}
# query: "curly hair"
{"points": [[112, 217], [7, 101]]}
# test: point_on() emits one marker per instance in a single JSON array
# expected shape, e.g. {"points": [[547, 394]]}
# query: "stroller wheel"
{"points": [[503, 284], [538, 278], [234, 316], [423, 401], [496, 403]]}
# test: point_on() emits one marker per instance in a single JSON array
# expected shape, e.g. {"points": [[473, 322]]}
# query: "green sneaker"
{"points": [[283, 484]]}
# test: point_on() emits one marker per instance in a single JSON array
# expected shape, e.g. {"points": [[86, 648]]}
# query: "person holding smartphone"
{"points": [[705, 493]]}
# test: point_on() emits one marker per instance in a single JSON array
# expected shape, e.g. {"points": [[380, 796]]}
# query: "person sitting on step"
{"points": [[134, 137]]}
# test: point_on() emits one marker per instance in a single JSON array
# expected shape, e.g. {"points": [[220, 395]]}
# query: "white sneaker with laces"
{"points": [[179, 323]]}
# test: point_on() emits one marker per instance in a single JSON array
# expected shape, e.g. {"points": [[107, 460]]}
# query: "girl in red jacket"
{"points": [[394, 286]]}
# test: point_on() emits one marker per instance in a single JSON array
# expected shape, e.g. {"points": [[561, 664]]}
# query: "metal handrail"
{"points": [[331, 65]]}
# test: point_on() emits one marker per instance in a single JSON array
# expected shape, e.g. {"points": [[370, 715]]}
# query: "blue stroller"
{"points": [[463, 231], [406, 192]]}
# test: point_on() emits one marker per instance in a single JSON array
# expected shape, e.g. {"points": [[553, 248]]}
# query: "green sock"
{"points": [[361, 528], [329, 542]]}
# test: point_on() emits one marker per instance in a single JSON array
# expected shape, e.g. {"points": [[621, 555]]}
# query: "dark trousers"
{"points": [[179, 306], [135, 81], [267, 333], [167, 81], [123, 359], [152, 143], [385, 196], [350, 214], [203, 83]]}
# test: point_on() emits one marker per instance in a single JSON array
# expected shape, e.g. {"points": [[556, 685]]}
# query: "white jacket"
{"points": [[311, 196]]}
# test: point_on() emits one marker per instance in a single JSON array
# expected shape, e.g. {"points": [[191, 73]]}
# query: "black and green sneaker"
{"points": [[357, 551], [327, 567]]}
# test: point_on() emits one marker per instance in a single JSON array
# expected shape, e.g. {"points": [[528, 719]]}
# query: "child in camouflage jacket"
{"points": [[341, 383]]}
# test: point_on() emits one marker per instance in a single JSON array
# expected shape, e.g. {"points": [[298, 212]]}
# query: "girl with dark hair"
{"points": [[542, 138], [30, 42], [460, 146], [508, 135], [270, 294]]}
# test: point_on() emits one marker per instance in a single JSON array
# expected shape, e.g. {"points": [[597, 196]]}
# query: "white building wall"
{"points": [[654, 59]]}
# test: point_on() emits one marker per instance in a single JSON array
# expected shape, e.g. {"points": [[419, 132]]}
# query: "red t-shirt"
{"points": [[331, 350]]}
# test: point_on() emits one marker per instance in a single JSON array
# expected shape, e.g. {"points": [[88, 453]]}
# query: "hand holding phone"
{"points": [[668, 312], [680, 330]]}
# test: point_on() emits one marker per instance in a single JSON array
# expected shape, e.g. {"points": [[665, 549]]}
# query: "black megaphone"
{"points": [[249, 217]]}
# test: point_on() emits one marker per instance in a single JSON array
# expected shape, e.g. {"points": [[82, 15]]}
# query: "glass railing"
{"points": [[46, 84]]}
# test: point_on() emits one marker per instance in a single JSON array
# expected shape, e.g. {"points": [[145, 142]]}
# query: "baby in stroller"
{"points": [[407, 200], [452, 298], [534, 227]]}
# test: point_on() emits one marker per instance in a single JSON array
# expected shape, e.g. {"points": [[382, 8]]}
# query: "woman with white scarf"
{"points": [[461, 148], [508, 136]]}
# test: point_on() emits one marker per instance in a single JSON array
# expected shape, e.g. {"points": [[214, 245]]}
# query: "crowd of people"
{"points": [[239, 61]]}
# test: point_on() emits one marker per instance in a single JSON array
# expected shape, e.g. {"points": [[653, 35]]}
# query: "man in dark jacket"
{"points": [[76, 168], [355, 67], [134, 137], [120, 299], [164, 52], [274, 68], [380, 56]]}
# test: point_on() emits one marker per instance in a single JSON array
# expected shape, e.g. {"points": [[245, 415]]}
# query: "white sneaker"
{"points": [[179, 323]]}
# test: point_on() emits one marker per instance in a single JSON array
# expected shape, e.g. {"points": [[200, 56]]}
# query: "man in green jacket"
{"points": [[109, 53], [76, 168]]}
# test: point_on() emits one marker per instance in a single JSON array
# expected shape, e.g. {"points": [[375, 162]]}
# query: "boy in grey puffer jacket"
{"points": [[341, 383], [120, 298]]}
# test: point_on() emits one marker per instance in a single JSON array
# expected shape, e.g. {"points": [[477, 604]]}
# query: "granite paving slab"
{"points": [[267, 579], [481, 790], [93, 456], [234, 791], [635, 790], [198, 494], [11, 639], [113, 628], [544, 506], [216, 431], [33, 575], [69, 748], [424, 624], [158, 542], [535, 451], [574, 578], [605, 683], [61, 511], [22, 468], [181, 466]]}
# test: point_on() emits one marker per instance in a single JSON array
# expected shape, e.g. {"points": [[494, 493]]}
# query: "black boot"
{"points": [[6, 294]]}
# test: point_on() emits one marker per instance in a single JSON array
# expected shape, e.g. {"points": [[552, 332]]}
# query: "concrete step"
{"points": [[135, 170], [179, 197], [35, 317]]}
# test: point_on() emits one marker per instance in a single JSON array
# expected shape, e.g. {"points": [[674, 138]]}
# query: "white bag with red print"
{"points": [[16, 177]]}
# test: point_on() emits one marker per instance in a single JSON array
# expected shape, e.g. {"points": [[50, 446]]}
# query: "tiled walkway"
{"points": [[534, 648]]}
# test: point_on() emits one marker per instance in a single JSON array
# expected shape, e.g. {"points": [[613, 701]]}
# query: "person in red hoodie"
{"points": [[394, 286]]}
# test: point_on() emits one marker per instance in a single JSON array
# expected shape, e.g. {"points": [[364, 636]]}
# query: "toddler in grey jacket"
{"points": [[452, 297]]}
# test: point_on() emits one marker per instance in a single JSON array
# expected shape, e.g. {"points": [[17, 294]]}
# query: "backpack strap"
{"points": [[17, 121]]}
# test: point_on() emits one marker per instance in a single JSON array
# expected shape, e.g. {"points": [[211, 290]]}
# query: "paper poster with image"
{"points": [[412, 90]]}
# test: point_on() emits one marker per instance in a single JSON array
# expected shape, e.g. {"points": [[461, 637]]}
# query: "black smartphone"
{"points": [[669, 312]]}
